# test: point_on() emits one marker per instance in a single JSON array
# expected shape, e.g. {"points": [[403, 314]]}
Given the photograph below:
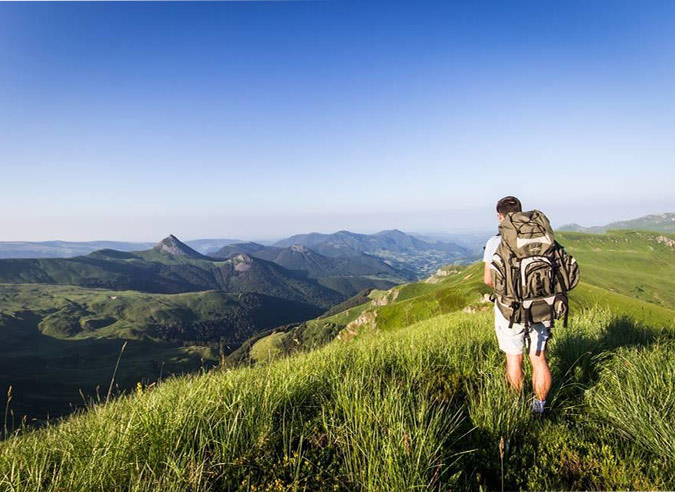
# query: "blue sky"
{"points": [[264, 119]]}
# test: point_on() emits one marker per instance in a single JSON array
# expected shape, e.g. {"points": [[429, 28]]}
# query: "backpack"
{"points": [[531, 271]]}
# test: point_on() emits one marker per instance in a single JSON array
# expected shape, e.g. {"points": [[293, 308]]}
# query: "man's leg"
{"points": [[541, 376], [514, 371], [511, 343]]}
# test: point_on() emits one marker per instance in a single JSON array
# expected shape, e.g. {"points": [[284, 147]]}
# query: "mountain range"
{"points": [[63, 249], [344, 243], [67, 249], [316, 265], [398, 249], [658, 223], [170, 267], [454, 245], [64, 319], [410, 256]]}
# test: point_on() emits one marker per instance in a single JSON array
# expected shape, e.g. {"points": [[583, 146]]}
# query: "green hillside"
{"points": [[424, 406], [658, 223], [157, 272], [461, 288], [75, 313], [637, 264], [628, 272], [58, 340], [404, 391]]}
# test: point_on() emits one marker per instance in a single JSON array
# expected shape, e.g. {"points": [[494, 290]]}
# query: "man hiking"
{"points": [[512, 335]]}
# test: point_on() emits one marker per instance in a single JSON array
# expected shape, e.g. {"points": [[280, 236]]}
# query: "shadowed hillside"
{"points": [[61, 341]]}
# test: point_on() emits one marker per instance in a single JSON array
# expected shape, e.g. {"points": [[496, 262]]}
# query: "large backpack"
{"points": [[531, 271]]}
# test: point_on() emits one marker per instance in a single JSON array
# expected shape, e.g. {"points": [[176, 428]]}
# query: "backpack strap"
{"points": [[526, 338], [527, 314], [512, 318]]}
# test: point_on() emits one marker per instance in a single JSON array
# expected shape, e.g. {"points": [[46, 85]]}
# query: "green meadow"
{"points": [[403, 392], [638, 264], [422, 407]]}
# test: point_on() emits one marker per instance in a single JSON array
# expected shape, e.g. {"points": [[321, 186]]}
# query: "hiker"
{"points": [[530, 274]]}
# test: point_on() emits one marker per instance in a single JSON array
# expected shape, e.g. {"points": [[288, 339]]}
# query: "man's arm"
{"points": [[488, 251], [487, 276]]}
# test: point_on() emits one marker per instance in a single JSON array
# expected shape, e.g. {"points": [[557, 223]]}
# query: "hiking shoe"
{"points": [[538, 407]]}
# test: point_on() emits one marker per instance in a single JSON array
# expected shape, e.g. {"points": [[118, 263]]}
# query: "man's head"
{"points": [[506, 205]]}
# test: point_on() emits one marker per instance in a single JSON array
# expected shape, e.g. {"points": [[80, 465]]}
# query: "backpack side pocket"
{"points": [[498, 272], [568, 272]]}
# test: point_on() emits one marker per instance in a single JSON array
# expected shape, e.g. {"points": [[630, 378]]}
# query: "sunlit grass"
{"points": [[421, 408]]}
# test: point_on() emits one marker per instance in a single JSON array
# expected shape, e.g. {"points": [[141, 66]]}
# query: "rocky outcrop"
{"points": [[366, 320], [667, 241], [440, 274], [242, 262], [389, 297]]}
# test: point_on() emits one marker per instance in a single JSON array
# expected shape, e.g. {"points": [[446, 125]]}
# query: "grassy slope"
{"points": [[74, 312], [418, 402], [268, 348], [420, 407], [463, 288], [58, 340], [633, 263], [586, 295]]}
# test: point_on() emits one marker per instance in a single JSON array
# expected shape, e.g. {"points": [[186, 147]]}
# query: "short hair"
{"points": [[509, 204]]}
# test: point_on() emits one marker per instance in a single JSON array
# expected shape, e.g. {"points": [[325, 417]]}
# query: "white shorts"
{"points": [[512, 340]]}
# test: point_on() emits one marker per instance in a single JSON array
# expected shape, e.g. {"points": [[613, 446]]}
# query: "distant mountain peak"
{"points": [[173, 246], [232, 250], [574, 227], [397, 232]]}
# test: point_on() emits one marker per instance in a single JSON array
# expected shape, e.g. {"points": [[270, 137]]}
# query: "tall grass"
{"points": [[421, 408], [636, 397]]}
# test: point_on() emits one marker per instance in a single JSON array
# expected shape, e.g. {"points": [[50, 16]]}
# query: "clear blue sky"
{"points": [[263, 119]]}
